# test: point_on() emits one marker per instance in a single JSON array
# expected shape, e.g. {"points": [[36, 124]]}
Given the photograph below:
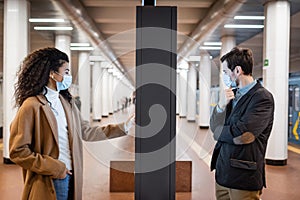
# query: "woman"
{"points": [[47, 132]]}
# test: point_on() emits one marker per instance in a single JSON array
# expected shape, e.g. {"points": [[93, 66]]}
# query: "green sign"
{"points": [[266, 62]]}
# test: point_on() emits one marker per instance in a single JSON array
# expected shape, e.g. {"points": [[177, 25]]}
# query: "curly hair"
{"points": [[34, 72]]}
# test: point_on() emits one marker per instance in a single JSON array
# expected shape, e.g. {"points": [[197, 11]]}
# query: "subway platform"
{"points": [[193, 144]]}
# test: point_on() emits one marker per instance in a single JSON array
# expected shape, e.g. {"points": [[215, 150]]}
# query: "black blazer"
{"points": [[242, 134]]}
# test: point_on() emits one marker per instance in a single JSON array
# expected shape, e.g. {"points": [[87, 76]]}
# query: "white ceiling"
{"points": [[115, 22]]}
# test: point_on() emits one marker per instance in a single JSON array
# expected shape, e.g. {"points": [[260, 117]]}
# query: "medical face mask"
{"points": [[228, 82], [65, 83]]}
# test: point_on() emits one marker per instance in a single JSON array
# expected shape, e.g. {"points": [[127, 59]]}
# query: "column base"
{"points": [[110, 113], [96, 120], [104, 115], [182, 116], [276, 162], [8, 161], [204, 127], [122, 176]]}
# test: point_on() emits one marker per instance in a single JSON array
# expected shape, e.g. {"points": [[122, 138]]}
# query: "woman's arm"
{"points": [[21, 146]]}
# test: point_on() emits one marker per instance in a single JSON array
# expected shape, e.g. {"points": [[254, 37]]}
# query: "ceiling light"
{"points": [[45, 20], [243, 26], [210, 48], [96, 34], [213, 43], [83, 44], [53, 28], [82, 48], [250, 17]]}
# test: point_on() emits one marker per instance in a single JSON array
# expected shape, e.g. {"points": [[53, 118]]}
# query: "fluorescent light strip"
{"points": [[53, 28], [210, 48], [82, 48], [250, 17], [213, 43], [45, 20], [242, 26], [80, 44]]}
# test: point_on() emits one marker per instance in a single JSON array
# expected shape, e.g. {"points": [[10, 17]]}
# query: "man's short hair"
{"points": [[239, 57]]}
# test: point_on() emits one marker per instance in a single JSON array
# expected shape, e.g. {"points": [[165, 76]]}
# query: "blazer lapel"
{"points": [[50, 116], [244, 98]]}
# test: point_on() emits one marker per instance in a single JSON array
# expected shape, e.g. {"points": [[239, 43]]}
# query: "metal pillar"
{"points": [[155, 144]]}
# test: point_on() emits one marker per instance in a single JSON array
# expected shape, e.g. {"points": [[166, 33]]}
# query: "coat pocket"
{"points": [[243, 164]]}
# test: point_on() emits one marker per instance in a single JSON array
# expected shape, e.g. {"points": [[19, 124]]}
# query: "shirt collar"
{"points": [[51, 94], [248, 87]]}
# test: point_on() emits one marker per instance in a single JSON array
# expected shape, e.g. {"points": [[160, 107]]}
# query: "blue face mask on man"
{"points": [[65, 83], [228, 82]]}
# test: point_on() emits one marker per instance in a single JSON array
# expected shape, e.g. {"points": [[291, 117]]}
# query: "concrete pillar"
{"points": [[84, 80], [115, 92], [275, 75], [127, 91], [16, 36], [62, 43], [121, 92], [182, 93], [204, 88], [191, 94], [110, 91], [177, 92], [228, 43], [97, 89], [105, 94], [16, 14], [1, 105]]}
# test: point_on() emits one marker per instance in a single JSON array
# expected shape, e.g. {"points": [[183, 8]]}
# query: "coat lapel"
{"points": [[50, 117], [244, 98]]}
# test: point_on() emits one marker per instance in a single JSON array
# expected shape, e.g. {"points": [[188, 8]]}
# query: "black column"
{"points": [[155, 144]]}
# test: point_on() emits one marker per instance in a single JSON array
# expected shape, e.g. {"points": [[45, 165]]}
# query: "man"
{"points": [[241, 124]]}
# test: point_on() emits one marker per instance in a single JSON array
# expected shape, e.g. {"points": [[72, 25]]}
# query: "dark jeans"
{"points": [[64, 188]]}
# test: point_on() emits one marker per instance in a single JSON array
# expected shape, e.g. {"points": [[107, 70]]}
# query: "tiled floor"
{"points": [[192, 144]]}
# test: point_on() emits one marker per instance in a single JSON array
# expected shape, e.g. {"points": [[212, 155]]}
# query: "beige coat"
{"points": [[34, 145]]}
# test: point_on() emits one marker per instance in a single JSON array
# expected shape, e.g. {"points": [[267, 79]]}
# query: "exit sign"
{"points": [[266, 62]]}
